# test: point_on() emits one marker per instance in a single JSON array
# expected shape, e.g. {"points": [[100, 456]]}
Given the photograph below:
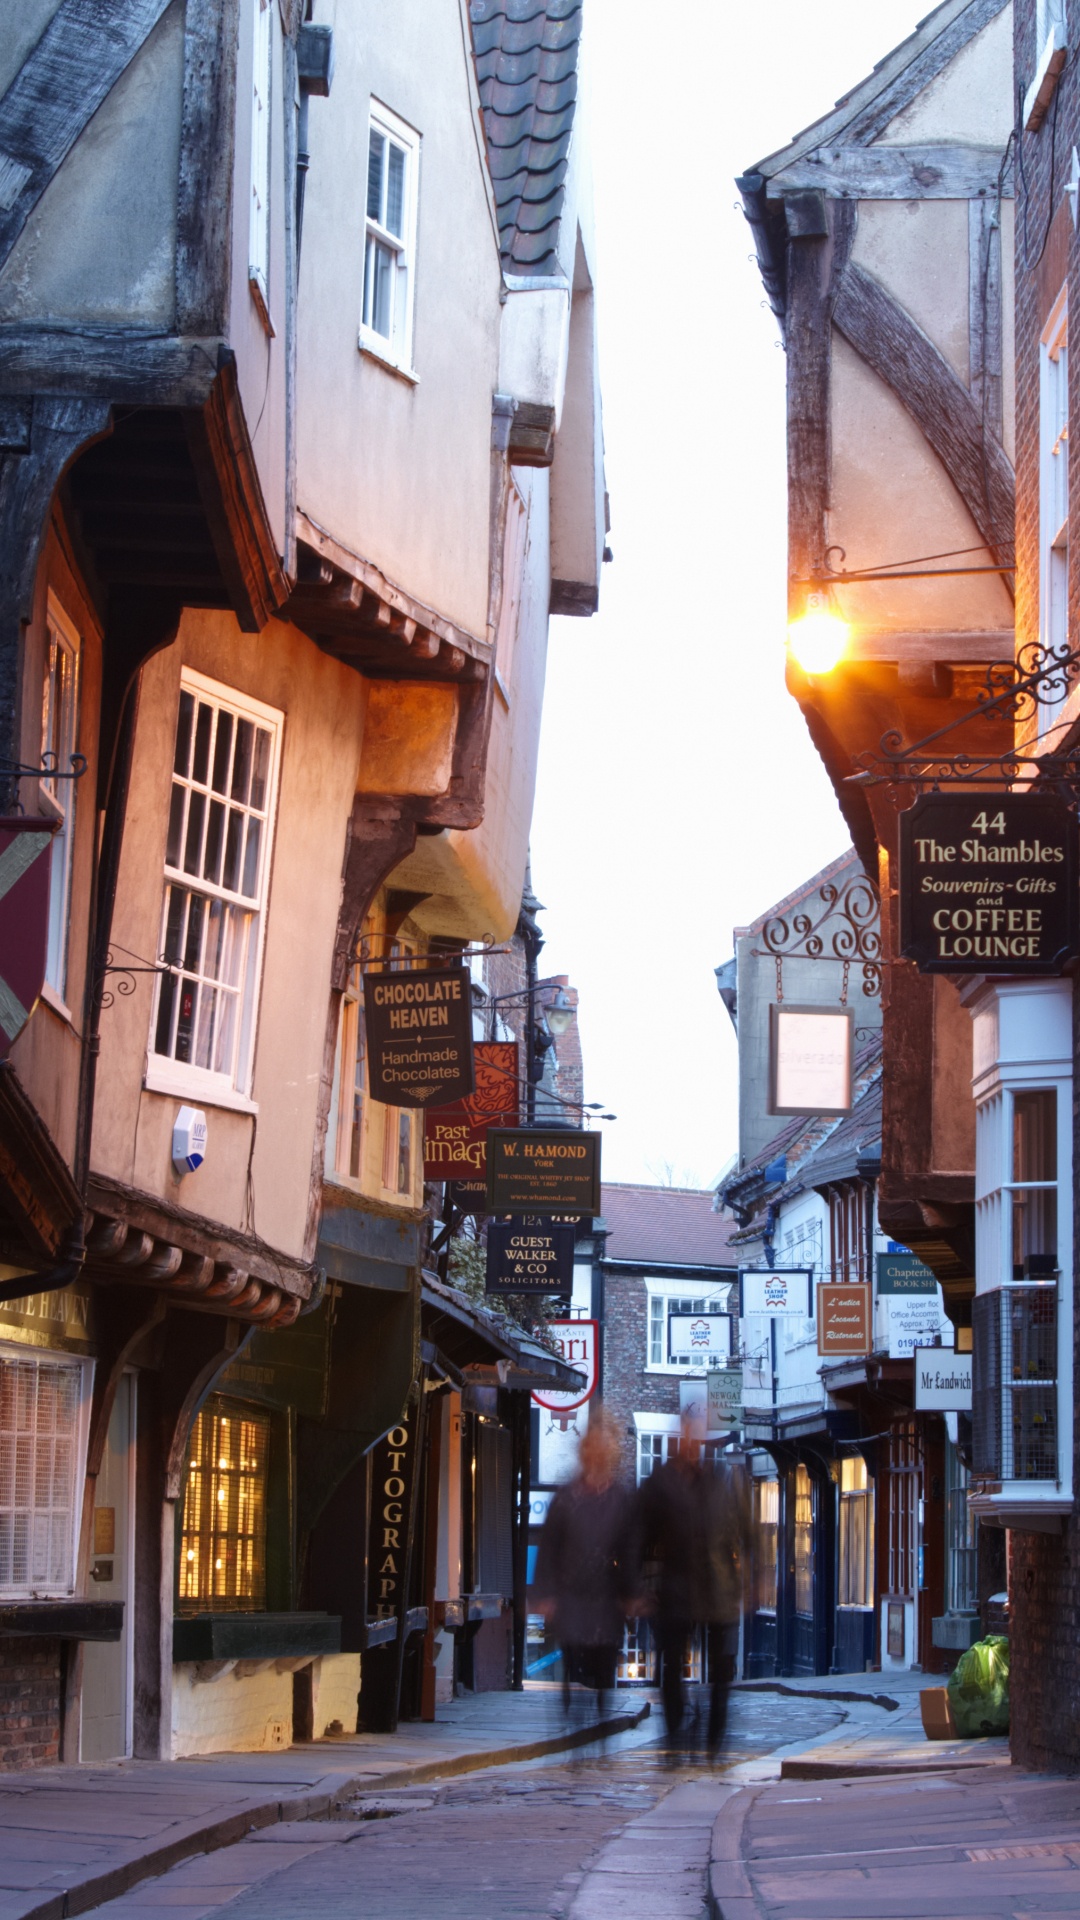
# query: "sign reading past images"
{"points": [[781, 1295], [988, 883], [844, 1317], [530, 1255], [903, 1273], [455, 1137], [418, 1027], [543, 1170], [810, 1059]]}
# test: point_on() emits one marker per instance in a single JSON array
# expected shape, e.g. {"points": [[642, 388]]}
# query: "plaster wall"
{"points": [[417, 502], [971, 100], [261, 357], [888, 485], [323, 703], [918, 249], [100, 246]]}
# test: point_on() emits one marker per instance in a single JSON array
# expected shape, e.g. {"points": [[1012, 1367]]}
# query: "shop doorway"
{"points": [[107, 1668]]}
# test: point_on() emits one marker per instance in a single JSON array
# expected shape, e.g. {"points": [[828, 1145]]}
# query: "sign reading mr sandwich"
{"points": [[988, 883], [543, 1170], [418, 1027]]}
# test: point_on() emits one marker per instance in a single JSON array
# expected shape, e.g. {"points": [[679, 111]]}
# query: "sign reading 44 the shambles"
{"points": [[418, 1027], [988, 883]]}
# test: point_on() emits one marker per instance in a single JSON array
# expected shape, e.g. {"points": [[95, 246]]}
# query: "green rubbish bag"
{"points": [[979, 1688]]}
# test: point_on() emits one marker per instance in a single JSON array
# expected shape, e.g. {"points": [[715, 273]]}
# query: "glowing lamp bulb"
{"points": [[819, 639]]}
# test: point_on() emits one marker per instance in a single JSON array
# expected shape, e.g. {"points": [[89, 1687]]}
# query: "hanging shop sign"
{"points": [[699, 1337], [844, 1317], [543, 1170], [780, 1295], [577, 1344], [64, 1320], [724, 1391], [811, 1050], [920, 1321], [418, 1027], [903, 1273], [24, 921], [530, 1255], [942, 1381], [393, 1474], [988, 883], [455, 1137]]}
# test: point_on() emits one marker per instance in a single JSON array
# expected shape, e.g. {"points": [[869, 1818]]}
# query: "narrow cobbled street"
{"points": [[619, 1830]]}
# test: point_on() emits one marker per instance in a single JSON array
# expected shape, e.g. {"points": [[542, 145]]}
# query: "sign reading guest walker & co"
{"points": [[418, 1027], [988, 883], [530, 1255], [543, 1170]]}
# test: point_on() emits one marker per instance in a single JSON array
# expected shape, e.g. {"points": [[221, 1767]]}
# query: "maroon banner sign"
{"points": [[24, 921]]}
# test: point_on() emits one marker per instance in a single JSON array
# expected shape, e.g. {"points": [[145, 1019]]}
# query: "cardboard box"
{"points": [[938, 1723]]}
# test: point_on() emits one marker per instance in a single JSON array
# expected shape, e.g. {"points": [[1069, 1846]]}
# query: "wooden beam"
{"points": [[56, 93], [110, 366], [929, 644], [228, 477], [814, 270], [894, 173], [985, 313], [916, 76], [204, 211], [887, 338]]}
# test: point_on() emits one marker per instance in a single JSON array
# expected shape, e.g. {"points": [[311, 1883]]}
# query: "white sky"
{"points": [[679, 794]]}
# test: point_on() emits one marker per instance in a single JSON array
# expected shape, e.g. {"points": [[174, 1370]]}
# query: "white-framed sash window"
{"points": [[44, 1407], [666, 1297], [393, 177], [59, 739], [217, 869]]}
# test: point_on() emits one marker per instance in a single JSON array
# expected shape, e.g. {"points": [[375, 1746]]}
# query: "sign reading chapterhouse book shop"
{"points": [[530, 1255], [543, 1170], [418, 1027], [988, 883]]}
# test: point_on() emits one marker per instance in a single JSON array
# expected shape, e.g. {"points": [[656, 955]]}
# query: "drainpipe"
{"points": [[315, 73]]}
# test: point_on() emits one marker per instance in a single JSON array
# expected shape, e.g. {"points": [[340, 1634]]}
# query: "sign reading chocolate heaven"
{"points": [[988, 883], [530, 1256], [543, 1170], [419, 1036]]}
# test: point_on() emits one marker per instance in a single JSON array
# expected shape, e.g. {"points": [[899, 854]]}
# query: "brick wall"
{"points": [[628, 1387], [1044, 1574], [29, 1703]]}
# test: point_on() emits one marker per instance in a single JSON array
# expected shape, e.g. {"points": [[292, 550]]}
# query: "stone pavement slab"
{"points": [[74, 1837]]}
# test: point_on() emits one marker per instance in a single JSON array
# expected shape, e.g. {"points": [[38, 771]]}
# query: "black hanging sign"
{"points": [[988, 883], [530, 1255], [418, 1027], [543, 1170]]}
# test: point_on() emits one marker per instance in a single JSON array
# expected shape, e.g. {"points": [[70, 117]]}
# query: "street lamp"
{"points": [[819, 639]]}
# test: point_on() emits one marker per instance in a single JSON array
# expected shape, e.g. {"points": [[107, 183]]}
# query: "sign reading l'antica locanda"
{"points": [[988, 883], [418, 1027]]}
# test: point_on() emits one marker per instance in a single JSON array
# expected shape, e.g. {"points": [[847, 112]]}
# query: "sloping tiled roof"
{"points": [[668, 1225], [526, 63]]}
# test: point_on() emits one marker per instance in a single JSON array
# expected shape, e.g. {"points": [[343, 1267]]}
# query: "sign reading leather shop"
{"points": [[988, 883], [418, 1027]]}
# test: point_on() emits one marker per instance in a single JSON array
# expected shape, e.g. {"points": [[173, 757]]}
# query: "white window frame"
{"points": [[1054, 492], [1051, 45], [57, 797], [395, 348], [350, 1039], [164, 1073], [84, 1369], [262, 76], [1023, 1044], [702, 1299], [662, 1427]]}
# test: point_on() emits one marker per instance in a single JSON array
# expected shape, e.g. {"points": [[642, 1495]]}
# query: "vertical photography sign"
{"points": [[988, 883], [455, 1136], [418, 1027]]}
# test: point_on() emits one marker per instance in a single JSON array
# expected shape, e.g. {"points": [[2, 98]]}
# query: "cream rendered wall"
{"points": [[100, 246], [398, 470], [323, 703], [971, 100], [918, 249], [885, 477]]}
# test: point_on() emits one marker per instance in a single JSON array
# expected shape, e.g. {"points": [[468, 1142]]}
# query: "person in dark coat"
{"points": [[695, 1529], [585, 1576]]}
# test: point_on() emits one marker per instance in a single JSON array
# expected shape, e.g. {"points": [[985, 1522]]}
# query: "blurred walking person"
{"points": [[695, 1529], [585, 1574]]}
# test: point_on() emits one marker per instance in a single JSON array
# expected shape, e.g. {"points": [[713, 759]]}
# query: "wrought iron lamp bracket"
{"points": [[126, 982]]}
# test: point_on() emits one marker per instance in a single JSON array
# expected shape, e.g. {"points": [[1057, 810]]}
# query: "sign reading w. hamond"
{"points": [[418, 1027], [543, 1170], [988, 883]]}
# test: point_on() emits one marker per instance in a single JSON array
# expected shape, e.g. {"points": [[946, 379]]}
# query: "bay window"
{"points": [[43, 1401], [223, 1535]]}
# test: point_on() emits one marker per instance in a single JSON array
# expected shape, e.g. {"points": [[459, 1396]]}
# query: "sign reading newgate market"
{"points": [[988, 883], [418, 1028], [543, 1170], [530, 1256]]}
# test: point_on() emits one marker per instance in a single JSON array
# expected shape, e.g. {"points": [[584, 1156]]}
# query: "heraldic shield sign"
{"points": [[24, 921]]}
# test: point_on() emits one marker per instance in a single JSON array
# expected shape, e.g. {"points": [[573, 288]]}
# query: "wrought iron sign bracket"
{"points": [[841, 925], [126, 982]]}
